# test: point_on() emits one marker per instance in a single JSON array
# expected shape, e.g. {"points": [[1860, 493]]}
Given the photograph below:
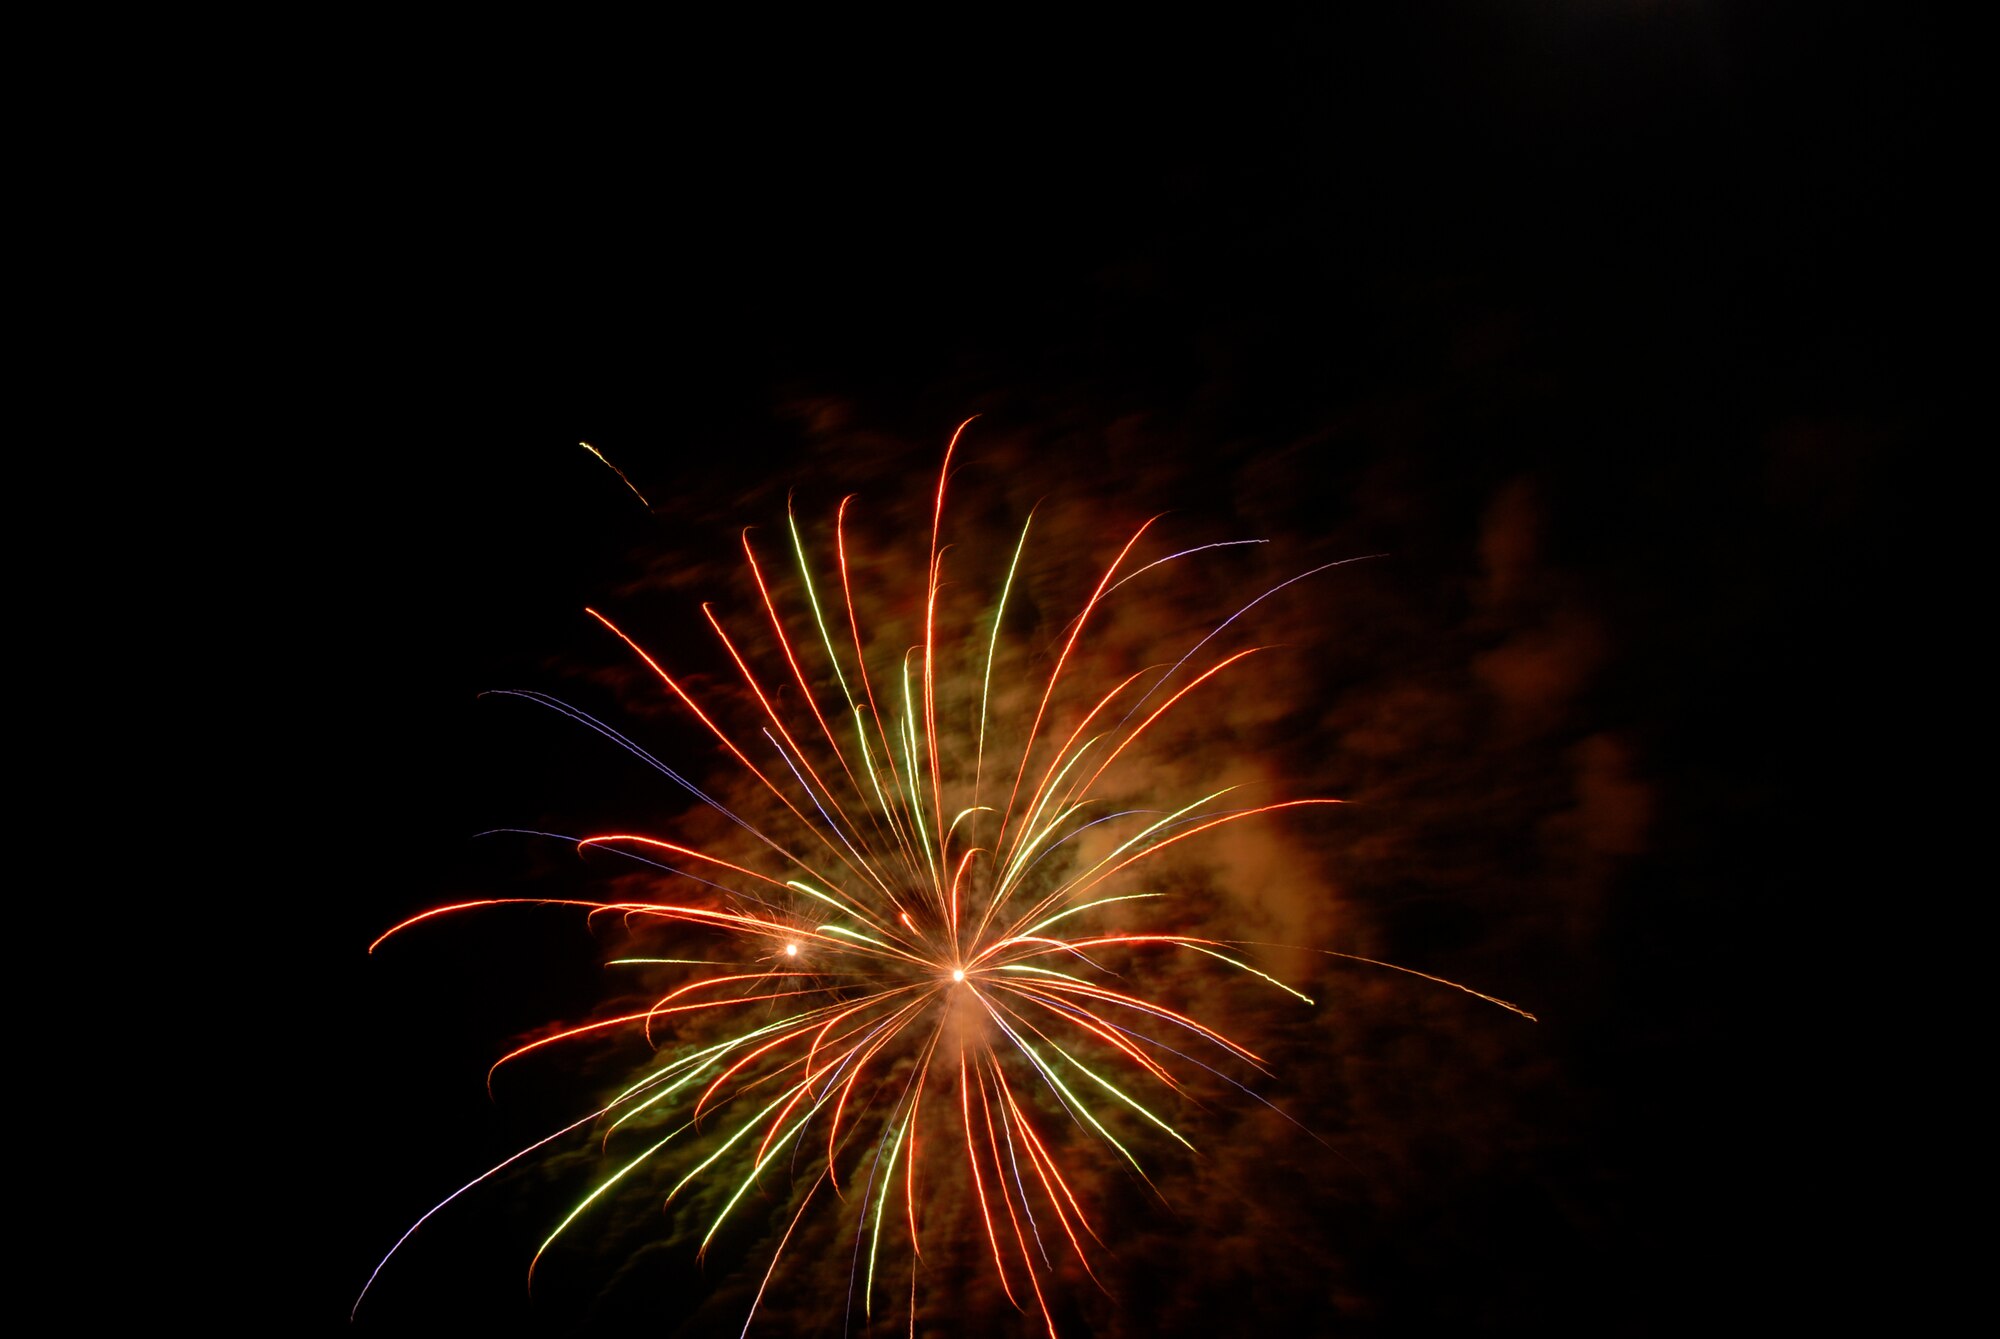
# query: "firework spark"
{"points": [[615, 470], [908, 985]]}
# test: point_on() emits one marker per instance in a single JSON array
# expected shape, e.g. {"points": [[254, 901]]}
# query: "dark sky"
{"points": [[1595, 318]]}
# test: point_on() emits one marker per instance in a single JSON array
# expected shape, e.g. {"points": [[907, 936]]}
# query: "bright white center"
{"points": [[791, 950], [958, 974]]}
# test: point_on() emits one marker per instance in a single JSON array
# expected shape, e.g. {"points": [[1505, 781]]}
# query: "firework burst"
{"points": [[900, 994]]}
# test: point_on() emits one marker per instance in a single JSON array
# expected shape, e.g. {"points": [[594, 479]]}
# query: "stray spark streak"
{"points": [[907, 978]]}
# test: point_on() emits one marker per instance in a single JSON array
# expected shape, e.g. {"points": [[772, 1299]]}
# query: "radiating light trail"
{"points": [[883, 985]]}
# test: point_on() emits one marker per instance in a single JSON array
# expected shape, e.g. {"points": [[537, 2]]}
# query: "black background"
{"points": [[1652, 258]]}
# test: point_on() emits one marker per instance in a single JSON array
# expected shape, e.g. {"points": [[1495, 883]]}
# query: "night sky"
{"points": [[1593, 319]]}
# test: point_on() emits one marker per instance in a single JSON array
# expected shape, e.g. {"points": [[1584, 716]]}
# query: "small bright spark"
{"points": [[615, 470]]}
